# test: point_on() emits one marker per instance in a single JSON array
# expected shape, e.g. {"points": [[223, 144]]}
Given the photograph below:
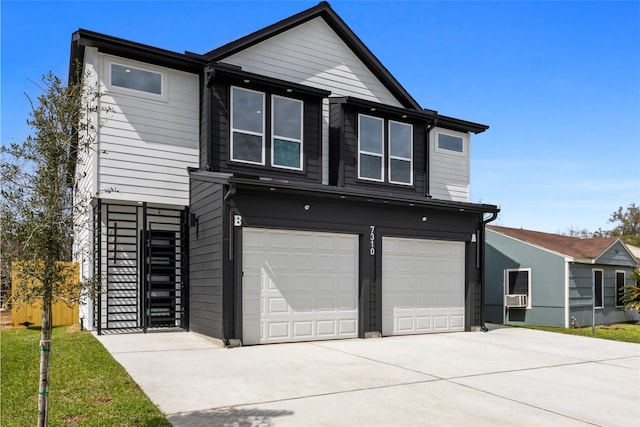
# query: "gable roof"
{"points": [[575, 247], [324, 11]]}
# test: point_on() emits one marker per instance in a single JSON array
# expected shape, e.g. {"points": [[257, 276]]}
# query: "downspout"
{"points": [[481, 244], [427, 169]]}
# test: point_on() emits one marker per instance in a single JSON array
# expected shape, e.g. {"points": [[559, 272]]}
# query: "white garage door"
{"points": [[298, 286], [422, 286]]}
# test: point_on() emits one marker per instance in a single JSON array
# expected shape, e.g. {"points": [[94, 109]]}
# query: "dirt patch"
{"points": [[72, 421], [101, 399]]}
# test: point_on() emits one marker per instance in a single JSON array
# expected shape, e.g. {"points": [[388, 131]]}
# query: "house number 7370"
{"points": [[372, 238]]}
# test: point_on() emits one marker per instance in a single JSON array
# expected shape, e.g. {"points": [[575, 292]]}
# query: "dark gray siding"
{"points": [[343, 171], [206, 259], [219, 149], [269, 209]]}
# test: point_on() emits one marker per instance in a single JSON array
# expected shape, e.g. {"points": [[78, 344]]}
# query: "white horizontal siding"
{"points": [[147, 144], [449, 173], [314, 55]]}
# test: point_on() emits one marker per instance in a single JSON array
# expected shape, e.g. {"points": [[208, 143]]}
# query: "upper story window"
{"points": [[247, 126], [400, 153], [450, 143], [286, 119], [371, 150], [135, 79], [249, 134]]}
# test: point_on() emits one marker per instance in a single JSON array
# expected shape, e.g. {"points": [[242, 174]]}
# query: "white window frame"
{"points": [[284, 138], [246, 132], [410, 159], [624, 282], [134, 92], [368, 153], [463, 136], [506, 283], [593, 282]]}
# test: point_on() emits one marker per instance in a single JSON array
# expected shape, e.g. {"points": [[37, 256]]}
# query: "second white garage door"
{"points": [[422, 286], [298, 286]]}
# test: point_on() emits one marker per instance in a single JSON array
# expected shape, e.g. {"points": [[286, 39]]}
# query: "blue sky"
{"points": [[557, 82]]}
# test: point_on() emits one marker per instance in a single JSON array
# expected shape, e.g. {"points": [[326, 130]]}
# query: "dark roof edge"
{"points": [[324, 10], [132, 50], [460, 125], [342, 192], [428, 115]]}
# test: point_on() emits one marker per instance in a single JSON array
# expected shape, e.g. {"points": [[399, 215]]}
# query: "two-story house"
{"points": [[283, 187]]}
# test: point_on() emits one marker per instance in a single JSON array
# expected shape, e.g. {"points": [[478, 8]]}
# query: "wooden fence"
{"points": [[63, 314]]}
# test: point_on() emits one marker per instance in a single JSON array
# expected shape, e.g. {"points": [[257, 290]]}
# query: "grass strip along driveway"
{"points": [[87, 386], [626, 332]]}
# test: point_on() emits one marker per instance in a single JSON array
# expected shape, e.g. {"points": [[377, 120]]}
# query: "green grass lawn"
{"points": [[87, 386], [618, 332]]}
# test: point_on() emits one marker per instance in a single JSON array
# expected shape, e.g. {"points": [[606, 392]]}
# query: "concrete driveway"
{"points": [[507, 376]]}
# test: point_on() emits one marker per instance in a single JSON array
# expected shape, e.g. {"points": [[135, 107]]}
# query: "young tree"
{"points": [[38, 203]]}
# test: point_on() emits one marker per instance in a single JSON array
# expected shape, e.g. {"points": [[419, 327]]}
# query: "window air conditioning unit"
{"points": [[515, 301]]}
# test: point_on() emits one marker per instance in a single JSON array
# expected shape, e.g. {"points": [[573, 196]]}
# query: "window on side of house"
{"points": [[370, 148], [247, 126], [519, 283], [137, 79], [598, 286], [286, 132], [620, 282], [400, 153], [450, 143]]}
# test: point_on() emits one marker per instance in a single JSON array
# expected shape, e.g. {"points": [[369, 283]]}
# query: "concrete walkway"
{"points": [[507, 376]]}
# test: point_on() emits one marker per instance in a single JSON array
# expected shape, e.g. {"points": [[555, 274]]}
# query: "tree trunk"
{"points": [[45, 352]]}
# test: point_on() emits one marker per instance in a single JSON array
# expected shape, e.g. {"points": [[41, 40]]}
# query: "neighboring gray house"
{"points": [[545, 279]]}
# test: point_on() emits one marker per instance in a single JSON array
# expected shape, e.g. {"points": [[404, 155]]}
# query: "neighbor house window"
{"points": [[247, 126], [620, 282], [132, 78], [450, 143], [370, 148], [286, 126], [598, 291], [400, 153], [519, 283]]}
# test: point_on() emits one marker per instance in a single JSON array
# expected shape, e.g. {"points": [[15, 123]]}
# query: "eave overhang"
{"points": [[289, 187], [388, 110], [233, 72], [131, 50]]}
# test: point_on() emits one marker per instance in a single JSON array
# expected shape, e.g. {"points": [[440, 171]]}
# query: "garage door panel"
{"points": [[422, 286], [309, 283]]}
